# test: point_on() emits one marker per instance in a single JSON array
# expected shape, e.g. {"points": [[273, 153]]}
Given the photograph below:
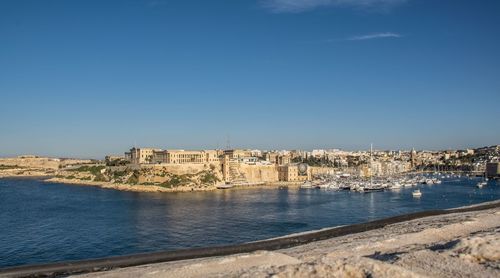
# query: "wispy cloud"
{"points": [[298, 6], [374, 36]]}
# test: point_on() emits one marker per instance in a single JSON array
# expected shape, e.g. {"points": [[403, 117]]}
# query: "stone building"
{"points": [[140, 155], [237, 154], [291, 172], [185, 157], [493, 170]]}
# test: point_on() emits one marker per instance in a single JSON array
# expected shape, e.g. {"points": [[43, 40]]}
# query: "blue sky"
{"points": [[88, 78]]}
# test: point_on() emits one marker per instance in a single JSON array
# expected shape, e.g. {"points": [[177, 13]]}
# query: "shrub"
{"points": [[209, 178], [94, 170], [134, 178], [176, 180], [100, 177]]}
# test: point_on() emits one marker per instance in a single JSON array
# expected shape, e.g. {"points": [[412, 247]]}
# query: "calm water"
{"points": [[48, 222]]}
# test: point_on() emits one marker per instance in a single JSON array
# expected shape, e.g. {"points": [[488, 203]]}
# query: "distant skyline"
{"points": [[90, 78]]}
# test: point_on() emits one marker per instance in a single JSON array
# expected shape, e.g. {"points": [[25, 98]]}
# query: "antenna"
{"points": [[228, 142]]}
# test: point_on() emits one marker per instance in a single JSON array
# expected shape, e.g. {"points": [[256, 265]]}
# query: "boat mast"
{"points": [[371, 167]]}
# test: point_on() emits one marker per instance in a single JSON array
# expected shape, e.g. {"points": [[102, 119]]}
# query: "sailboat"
{"points": [[483, 182]]}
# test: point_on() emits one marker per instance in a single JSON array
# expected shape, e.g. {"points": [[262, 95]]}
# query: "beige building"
{"points": [[238, 154], [185, 157], [493, 170], [284, 159], [291, 172], [272, 157], [140, 155]]}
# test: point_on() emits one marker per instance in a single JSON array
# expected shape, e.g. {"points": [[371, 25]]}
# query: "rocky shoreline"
{"points": [[155, 188], [50, 177], [465, 244], [128, 187]]}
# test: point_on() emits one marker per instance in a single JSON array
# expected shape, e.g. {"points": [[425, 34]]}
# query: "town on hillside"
{"points": [[186, 170]]}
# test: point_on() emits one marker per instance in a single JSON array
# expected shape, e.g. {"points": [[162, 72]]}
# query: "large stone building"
{"points": [[140, 155], [293, 172], [185, 157], [238, 154], [493, 170], [159, 156]]}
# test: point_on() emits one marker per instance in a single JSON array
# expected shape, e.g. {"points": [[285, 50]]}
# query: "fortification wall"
{"points": [[259, 173]]}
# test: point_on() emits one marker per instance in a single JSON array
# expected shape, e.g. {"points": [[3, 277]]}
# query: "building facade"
{"points": [[140, 155], [493, 170], [185, 157], [291, 172]]}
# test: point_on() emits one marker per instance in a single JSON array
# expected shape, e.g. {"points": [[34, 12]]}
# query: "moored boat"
{"points": [[224, 186], [416, 193], [306, 184]]}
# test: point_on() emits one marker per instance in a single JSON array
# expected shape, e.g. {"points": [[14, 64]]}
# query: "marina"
{"points": [[378, 184]]}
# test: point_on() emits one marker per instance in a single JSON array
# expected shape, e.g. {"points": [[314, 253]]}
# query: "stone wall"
{"points": [[259, 173]]}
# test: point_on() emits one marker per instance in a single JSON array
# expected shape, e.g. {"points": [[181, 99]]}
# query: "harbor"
{"points": [[378, 184]]}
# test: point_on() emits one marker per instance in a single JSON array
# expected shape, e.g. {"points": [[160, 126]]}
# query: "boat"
{"points": [[396, 185], [306, 184], [416, 193], [345, 187], [325, 185], [429, 182], [224, 186], [481, 184], [372, 189]]}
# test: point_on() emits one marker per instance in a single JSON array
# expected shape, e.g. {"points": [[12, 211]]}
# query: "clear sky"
{"points": [[89, 78]]}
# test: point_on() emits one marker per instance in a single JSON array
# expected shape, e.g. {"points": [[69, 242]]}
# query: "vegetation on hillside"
{"points": [[144, 176], [9, 167]]}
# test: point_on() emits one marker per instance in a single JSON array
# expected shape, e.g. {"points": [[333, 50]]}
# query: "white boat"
{"points": [[306, 184], [224, 186], [396, 185], [481, 184], [416, 193], [325, 185]]}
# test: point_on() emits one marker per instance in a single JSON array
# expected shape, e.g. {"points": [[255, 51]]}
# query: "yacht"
{"points": [[482, 183], [396, 185], [416, 193]]}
